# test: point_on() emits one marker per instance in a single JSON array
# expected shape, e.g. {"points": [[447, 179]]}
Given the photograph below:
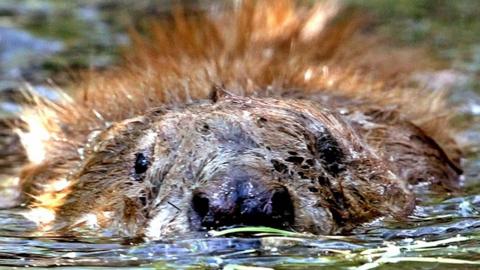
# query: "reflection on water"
{"points": [[453, 219]]}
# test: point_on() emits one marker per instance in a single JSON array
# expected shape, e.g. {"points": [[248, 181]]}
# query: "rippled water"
{"points": [[445, 219], [443, 226]]}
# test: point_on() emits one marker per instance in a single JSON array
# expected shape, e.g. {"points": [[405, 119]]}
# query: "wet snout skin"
{"points": [[241, 198]]}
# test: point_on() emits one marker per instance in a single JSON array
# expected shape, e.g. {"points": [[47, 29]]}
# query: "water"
{"points": [[445, 220], [443, 228]]}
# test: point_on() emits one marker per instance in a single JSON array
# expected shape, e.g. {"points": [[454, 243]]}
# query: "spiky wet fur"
{"points": [[261, 49]]}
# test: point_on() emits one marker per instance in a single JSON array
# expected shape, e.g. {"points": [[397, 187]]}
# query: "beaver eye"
{"points": [[141, 163]]}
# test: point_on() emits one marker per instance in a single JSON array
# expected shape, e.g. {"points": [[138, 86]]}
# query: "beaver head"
{"points": [[288, 164]]}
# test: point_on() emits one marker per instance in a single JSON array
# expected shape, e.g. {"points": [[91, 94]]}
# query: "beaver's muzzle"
{"points": [[242, 201]]}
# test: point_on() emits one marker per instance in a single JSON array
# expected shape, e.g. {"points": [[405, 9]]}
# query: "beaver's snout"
{"points": [[242, 203]]}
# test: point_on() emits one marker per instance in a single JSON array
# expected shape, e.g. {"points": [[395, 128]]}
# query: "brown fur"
{"points": [[283, 59]]}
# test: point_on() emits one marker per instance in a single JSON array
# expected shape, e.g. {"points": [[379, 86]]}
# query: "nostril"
{"points": [[200, 204], [281, 203], [261, 206]]}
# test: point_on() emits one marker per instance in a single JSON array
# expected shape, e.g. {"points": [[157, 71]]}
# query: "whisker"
{"points": [[174, 206]]}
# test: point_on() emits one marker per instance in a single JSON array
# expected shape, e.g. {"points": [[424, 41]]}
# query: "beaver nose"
{"points": [[243, 205]]}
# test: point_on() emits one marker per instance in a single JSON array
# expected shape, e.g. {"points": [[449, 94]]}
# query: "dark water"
{"points": [[42, 39]]}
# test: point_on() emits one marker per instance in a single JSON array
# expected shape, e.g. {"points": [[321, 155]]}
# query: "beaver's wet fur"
{"points": [[268, 114]]}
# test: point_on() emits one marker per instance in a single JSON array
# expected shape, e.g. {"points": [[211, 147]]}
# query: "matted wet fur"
{"points": [[267, 114]]}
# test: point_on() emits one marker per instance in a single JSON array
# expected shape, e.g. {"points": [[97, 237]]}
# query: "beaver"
{"points": [[268, 114]]}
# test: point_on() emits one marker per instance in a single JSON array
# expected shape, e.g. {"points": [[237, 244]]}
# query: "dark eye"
{"points": [[141, 163]]}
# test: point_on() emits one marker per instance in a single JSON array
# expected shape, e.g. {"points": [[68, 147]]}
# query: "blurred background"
{"points": [[42, 38], [43, 42], [46, 42]]}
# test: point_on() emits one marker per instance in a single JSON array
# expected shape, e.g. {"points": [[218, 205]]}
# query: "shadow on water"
{"points": [[41, 38]]}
